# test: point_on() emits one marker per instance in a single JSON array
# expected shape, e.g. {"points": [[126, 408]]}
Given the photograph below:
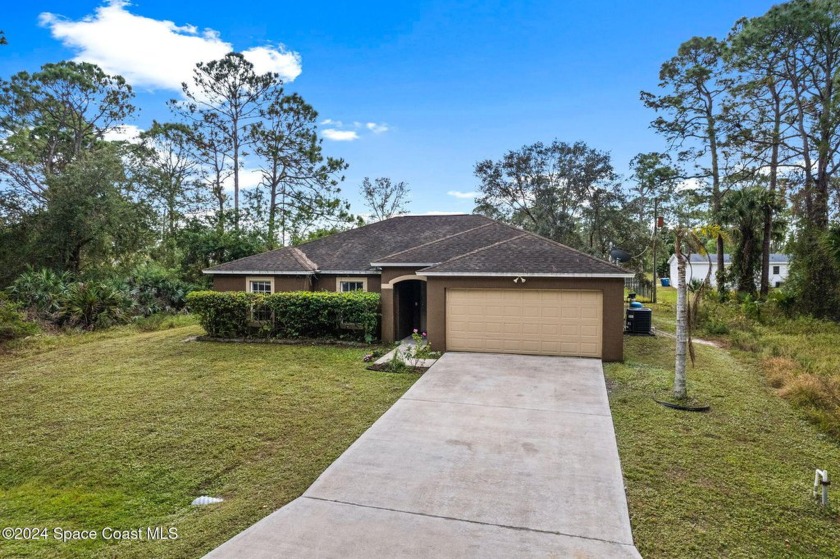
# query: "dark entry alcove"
{"points": [[410, 307]]}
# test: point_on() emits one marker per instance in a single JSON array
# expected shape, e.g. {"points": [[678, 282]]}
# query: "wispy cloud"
{"points": [[340, 135], [156, 54], [377, 128], [462, 195], [340, 132]]}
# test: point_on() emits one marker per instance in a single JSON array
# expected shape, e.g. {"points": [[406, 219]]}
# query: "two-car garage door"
{"points": [[531, 321]]}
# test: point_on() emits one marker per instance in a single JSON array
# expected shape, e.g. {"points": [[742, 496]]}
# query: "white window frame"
{"points": [[357, 279], [250, 279], [777, 270]]}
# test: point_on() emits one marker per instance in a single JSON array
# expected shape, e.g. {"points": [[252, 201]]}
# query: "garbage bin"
{"points": [[666, 282]]}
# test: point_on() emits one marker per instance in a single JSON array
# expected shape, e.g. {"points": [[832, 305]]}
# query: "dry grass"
{"points": [[800, 357], [734, 482]]}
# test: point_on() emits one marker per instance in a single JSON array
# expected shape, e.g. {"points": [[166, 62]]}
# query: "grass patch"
{"points": [[799, 357], [733, 482], [124, 428]]}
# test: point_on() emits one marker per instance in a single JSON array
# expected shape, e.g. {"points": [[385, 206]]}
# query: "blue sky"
{"points": [[416, 91]]}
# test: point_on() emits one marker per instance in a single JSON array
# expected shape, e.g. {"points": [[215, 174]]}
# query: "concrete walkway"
{"points": [[485, 456]]}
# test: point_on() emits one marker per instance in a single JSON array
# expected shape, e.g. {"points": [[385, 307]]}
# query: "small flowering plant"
{"points": [[421, 349]]}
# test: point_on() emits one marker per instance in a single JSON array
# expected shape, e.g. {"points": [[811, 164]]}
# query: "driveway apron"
{"points": [[487, 455]]}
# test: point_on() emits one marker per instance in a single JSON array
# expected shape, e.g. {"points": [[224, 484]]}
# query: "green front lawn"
{"points": [[124, 430], [734, 482]]}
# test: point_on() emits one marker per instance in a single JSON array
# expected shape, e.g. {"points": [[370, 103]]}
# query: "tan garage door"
{"points": [[532, 321]]}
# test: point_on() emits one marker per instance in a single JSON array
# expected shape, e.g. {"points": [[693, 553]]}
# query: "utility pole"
{"points": [[655, 223]]}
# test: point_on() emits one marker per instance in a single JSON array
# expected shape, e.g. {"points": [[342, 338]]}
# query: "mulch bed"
{"points": [[284, 341], [385, 368]]}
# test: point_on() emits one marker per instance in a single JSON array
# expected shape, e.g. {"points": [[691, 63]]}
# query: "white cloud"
{"points": [[340, 135], [462, 195], [274, 59], [155, 53], [339, 132], [124, 133], [690, 184], [248, 178], [377, 128]]}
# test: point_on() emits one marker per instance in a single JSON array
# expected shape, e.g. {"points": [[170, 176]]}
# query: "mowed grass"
{"points": [[124, 430], [733, 482]]}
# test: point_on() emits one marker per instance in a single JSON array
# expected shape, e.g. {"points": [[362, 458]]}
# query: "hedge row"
{"points": [[289, 314]]}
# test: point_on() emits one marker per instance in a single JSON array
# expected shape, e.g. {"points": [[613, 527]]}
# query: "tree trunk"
{"points": [[272, 217], [711, 129], [680, 391], [768, 207]]}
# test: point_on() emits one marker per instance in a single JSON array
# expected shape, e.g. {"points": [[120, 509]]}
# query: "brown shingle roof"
{"points": [[525, 254], [286, 260], [454, 244], [354, 250]]}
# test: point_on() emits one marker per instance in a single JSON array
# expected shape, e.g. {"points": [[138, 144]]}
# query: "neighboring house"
{"points": [[472, 283], [699, 266]]}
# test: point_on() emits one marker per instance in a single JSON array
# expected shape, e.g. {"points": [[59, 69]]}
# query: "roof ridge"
{"points": [[302, 259], [366, 225], [249, 256], [595, 258], [589, 256], [432, 242], [470, 253]]}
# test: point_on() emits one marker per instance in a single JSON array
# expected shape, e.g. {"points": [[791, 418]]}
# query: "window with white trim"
{"points": [[260, 285], [775, 270], [347, 285]]}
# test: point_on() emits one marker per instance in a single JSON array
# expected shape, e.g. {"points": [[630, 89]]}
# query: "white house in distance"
{"points": [[698, 266]]}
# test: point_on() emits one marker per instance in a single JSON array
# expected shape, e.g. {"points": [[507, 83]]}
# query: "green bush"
{"points": [[155, 289], [92, 305], [13, 323], [292, 314], [40, 292]]}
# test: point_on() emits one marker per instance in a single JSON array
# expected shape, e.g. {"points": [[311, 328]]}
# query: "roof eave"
{"points": [[529, 274], [211, 271], [402, 264], [350, 272]]}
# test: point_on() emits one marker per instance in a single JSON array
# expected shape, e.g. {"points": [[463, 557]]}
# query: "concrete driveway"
{"points": [[485, 456]]}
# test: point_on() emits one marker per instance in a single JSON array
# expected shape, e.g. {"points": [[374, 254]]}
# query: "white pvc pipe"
{"points": [[821, 480]]}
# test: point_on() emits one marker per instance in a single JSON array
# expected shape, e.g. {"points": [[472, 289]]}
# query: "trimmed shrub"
{"points": [[291, 314]]}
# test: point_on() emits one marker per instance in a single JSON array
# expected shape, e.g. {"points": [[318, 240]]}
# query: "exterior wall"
{"points": [[697, 270], [777, 279], [613, 312], [228, 283], [329, 283], [281, 283]]}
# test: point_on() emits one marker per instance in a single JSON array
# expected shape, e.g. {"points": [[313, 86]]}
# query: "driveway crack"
{"points": [[427, 515]]}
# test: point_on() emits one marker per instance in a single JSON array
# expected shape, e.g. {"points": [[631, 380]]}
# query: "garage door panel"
{"points": [[545, 322]]}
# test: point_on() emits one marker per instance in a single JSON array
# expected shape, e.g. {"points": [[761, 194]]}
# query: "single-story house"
{"points": [[698, 266], [472, 283]]}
